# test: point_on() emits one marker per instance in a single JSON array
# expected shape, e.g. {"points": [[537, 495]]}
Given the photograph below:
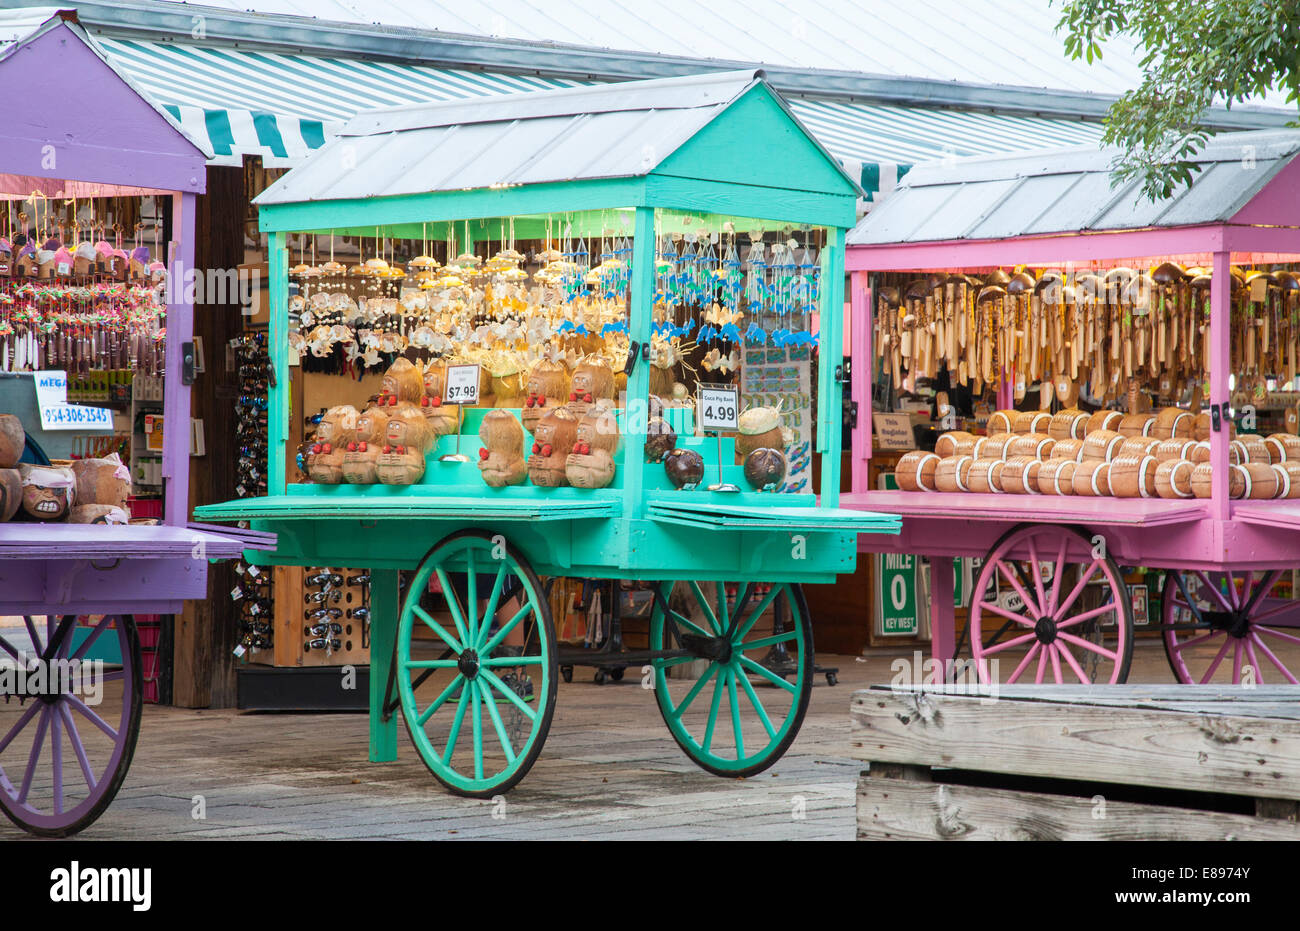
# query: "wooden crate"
{"points": [[1129, 762]]}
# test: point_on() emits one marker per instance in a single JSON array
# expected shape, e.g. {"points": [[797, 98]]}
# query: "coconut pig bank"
{"points": [[554, 478]]}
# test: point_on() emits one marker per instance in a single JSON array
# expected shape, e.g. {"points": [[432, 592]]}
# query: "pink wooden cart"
{"points": [[1222, 556]]}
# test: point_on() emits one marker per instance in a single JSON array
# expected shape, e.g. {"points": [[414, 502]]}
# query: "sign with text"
{"points": [[75, 417], [51, 387], [462, 384], [893, 431], [719, 408], [55, 411]]}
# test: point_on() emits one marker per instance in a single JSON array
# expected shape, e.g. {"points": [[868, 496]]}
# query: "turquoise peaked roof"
{"points": [[640, 140]]}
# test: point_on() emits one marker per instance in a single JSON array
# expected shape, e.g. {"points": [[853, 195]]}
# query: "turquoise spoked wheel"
{"points": [[738, 716], [476, 670]]}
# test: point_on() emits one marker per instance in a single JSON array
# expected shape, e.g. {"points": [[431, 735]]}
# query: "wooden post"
{"points": [[383, 641], [943, 634], [180, 329], [1220, 334], [862, 313], [206, 632], [830, 394], [638, 385]]}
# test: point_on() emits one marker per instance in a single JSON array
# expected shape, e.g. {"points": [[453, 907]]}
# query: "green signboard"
{"points": [[896, 595]]}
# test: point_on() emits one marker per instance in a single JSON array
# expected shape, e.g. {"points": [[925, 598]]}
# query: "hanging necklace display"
{"points": [[62, 311]]}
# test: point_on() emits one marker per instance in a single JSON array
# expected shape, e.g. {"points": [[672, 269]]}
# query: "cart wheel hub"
{"points": [[717, 649], [1045, 630], [1233, 623], [468, 664], [39, 672]]}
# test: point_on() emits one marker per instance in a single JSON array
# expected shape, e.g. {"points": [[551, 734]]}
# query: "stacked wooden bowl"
{"points": [[1160, 454]]}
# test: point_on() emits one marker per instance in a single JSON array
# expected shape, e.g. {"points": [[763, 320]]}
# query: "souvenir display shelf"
{"points": [[78, 586], [1052, 561], [728, 564]]}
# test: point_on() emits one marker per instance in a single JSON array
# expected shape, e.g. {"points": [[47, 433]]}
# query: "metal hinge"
{"points": [[851, 414]]}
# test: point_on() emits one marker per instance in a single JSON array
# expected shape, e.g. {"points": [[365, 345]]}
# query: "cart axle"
{"points": [[717, 649]]}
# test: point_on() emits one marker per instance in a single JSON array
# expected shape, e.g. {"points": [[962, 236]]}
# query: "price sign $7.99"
{"points": [[718, 408], [462, 385]]}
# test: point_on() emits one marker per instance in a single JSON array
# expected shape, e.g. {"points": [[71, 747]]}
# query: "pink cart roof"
{"points": [[1063, 206]]}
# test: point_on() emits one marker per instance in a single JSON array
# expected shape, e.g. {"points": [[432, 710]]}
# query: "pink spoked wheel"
{"points": [[69, 715], [1050, 605], [1222, 627]]}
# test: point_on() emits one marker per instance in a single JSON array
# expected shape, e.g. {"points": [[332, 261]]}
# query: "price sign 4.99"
{"points": [[718, 408], [462, 385]]}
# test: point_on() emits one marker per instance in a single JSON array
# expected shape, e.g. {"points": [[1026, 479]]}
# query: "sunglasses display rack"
{"points": [[256, 609], [321, 617], [252, 597]]}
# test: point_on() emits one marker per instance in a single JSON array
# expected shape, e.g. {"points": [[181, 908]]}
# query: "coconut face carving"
{"points": [[362, 452], [401, 460], [591, 463], [336, 430], [548, 387], [501, 460], [553, 440], [48, 492], [592, 381]]}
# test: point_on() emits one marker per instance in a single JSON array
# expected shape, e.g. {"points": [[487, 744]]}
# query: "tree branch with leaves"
{"points": [[1197, 54]]}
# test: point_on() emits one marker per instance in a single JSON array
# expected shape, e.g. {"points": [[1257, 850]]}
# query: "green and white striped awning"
{"points": [[282, 106]]}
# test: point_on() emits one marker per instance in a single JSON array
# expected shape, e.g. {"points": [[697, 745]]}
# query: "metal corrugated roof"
{"points": [[1008, 42], [21, 23], [282, 106], [606, 131], [1069, 189]]}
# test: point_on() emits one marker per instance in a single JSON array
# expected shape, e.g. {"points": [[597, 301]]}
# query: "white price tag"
{"points": [[718, 408], [462, 385], [75, 417]]}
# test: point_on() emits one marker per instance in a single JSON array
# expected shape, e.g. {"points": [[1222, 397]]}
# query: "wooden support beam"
{"points": [[207, 631]]}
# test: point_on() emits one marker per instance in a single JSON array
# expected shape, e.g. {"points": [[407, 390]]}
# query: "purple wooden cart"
{"points": [[68, 729], [1222, 557]]}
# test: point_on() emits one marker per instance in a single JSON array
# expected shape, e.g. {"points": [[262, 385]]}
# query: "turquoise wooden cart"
{"points": [[655, 156]]}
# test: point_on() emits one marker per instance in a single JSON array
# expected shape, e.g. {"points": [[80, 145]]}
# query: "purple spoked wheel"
{"points": [[1050, 605], [67, 729], [1224, 627]]}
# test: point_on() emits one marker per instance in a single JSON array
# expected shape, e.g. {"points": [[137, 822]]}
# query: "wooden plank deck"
{"points": [[609, 771]]}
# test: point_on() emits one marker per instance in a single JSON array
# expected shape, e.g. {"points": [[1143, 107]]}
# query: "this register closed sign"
{"points": [[893, 431]]}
